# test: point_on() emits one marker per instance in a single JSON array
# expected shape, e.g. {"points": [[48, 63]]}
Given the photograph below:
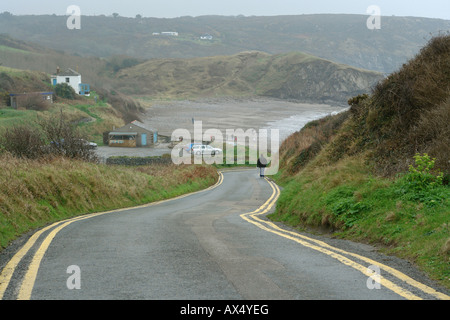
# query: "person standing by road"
{"points": [[262, 163]]}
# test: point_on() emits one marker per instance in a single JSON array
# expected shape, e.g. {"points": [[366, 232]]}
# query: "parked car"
{"points": [[91, 145], [188, 148], [77, 142], [205, 149]]}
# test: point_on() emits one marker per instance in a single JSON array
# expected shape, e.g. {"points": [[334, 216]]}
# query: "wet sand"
{"points": [[224, 113], [228, 113]]}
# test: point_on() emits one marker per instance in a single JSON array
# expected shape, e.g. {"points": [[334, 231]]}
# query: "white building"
{"points": [[170, 33], [206, 37], [73, 79]]}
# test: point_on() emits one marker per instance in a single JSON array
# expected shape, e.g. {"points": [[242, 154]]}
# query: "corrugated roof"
{"points": [[142, 125]]}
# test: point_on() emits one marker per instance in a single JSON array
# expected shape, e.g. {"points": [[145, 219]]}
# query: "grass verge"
{"points": [[348, 201], [38, 193]]}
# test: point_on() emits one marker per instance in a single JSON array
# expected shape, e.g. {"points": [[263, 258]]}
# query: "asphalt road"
{"points": [[212, 245]]}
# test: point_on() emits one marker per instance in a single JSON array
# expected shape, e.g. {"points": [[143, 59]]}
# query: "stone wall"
{"points": [[138, 161]]}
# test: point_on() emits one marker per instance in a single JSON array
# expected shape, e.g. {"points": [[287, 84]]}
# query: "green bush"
{"points": [[342, 203], [421, 183], [63, 90], [421, 177]]}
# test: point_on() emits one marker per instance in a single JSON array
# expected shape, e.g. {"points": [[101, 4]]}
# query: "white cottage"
{"points": [[73, 79]]}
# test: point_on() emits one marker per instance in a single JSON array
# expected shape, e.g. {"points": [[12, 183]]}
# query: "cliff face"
{"points": [[319, 80]]}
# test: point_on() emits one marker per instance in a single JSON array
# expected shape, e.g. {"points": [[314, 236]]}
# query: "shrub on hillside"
{"points": [[47, 137], [63, 138], [117, 63], [63, 90], [423, 183], [421, 175], [22, 141]]}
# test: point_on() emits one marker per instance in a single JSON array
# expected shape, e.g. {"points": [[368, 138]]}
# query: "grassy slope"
{"points": [[36, 193], [96, 114], [346, 199], [93, 118], [287, 76], [347, 174]]}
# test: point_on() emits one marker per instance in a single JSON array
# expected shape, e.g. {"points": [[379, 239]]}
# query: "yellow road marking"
{"points": [[8, 270], [325, 248], [30, 277]]}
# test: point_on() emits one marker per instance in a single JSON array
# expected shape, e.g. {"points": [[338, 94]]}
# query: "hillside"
{"points": [[407, 113], [379, 173], [341, 38], [295, 76], [94, 116], [15, 80], [26, 55], [25, 67]]}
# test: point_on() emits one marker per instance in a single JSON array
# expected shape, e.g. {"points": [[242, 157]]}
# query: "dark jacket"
{"points": [[262, 162]]}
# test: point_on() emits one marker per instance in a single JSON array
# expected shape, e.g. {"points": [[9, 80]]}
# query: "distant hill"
{"points": [[27, 55], [295, 76], [341, 38]]}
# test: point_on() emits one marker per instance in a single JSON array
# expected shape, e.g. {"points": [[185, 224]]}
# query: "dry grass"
{"points": [[35, 193], [303, 146], [431, 134]]}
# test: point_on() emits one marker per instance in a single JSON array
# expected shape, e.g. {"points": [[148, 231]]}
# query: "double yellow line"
{"points": [[29, 279], [336, 253]]}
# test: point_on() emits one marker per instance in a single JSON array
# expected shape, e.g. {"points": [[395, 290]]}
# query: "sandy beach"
{"points": [[229, 113], [223, 113]]}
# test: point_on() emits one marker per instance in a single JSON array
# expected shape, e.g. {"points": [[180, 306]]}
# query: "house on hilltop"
{"points": [[73, 79]]}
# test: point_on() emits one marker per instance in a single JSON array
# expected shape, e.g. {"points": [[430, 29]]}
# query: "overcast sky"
{"points": [[176, 8]]}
